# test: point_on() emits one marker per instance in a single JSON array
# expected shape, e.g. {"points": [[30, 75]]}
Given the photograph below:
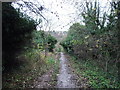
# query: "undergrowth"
{"points": [[34, 65], [53, 81], [95, 75]]}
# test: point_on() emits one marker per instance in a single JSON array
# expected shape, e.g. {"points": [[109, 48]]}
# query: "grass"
{"points": [[96, 77], [34, 65], [53, 81]]}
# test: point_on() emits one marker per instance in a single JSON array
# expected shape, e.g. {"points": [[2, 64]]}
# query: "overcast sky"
{"points": [[59, 13]]}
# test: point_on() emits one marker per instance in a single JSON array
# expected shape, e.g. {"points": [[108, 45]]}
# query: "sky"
{"points": [[61, 14]]}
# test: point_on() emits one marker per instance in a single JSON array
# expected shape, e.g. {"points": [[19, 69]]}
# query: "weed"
{"points": [[96, 77], [33, 66]]}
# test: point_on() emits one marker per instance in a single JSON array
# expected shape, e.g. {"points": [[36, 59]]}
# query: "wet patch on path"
{"points": [[67, 78]]}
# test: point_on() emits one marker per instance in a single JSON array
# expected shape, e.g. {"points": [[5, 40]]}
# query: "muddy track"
{"points": [[67, 78]]}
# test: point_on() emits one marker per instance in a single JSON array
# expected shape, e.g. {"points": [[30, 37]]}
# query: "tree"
{"points": [[16, 34]]}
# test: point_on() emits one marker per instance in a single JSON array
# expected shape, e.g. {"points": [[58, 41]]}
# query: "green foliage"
{"points": [[51, 41], [22, 58], [97, 41], [33, 67], [38, 40], [75, 37], [96, 77], [42, 40], [19, 34], [91, 17], [16, 34], [50, 60]]}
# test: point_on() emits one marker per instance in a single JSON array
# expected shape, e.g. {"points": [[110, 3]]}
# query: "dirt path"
{"points": [[67, 78], [64, 78]]}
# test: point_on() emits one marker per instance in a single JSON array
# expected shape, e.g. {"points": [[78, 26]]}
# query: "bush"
{"points": [[16, 34]]}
